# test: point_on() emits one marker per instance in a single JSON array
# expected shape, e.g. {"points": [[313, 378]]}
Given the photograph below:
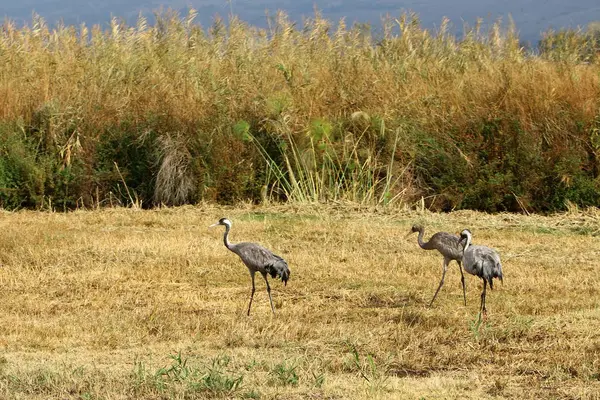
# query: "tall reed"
{"points": [[333, 114]]}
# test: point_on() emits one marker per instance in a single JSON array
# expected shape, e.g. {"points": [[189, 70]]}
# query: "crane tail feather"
{"points": [[279, 269]]}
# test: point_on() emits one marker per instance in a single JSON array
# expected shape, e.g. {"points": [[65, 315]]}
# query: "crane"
{"points": [[257, 258], [449, 246], [483, 262]]}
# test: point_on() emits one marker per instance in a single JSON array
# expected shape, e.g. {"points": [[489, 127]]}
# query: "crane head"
{"points": [[415, 228], [222, 221], [465, 239], [466, 234]]}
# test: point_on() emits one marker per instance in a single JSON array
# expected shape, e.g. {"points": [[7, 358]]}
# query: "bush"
{"points": [[501, 167], [32, 178]]}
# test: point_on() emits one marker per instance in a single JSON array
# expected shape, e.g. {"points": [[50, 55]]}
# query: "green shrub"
{"points": [[126, 158]]}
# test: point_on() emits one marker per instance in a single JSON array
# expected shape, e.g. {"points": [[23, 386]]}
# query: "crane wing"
{"points": [[486, 262], [279, 268], [260, 258], [448, 244], [492, 267]]}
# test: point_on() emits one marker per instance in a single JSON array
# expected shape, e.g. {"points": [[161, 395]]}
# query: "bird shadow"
{"points": [[375, 300], [409, 318], [401, 370]]}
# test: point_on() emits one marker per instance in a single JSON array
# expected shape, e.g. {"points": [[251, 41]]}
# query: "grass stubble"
{"points": [[120, 303]]}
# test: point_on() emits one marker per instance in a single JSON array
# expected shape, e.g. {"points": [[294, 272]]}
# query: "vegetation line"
{"points": [[298, 114]]}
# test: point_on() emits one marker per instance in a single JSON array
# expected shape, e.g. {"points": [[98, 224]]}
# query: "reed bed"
{"points": [[175, 113]]}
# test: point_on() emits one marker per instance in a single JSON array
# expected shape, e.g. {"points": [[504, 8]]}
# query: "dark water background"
{"points": [[531, 17]]}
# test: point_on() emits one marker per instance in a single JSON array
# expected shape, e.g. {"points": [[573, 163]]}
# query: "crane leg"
{"points": [[462, 280], [482, 310], [252, 293], [444, 268], [269, 292]]}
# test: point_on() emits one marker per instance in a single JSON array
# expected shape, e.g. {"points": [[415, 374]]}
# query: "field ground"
{"points": [[120, 303]]}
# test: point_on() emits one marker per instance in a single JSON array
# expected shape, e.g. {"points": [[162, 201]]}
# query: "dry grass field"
{"points": [[120, 303]]}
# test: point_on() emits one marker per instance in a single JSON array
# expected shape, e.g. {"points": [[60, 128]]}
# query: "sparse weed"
{"points": [[319, 378], [178, 370], [475, 326], [181, 377], [375, 377], [251, 365], [283, 374], [217, 380], [252, 394]]}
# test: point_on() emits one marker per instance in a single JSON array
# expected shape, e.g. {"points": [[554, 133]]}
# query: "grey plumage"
{"points": [[481, 261], [257, 258], [450, 247]]}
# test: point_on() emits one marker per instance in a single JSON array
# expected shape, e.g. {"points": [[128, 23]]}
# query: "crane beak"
{"points": [[408, 234], [213, 225]]}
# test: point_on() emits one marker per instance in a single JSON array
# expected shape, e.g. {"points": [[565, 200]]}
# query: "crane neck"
{"points": [[422, 244], [467, 242], [226, 237]]}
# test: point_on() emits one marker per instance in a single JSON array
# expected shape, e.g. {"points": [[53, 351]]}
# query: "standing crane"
{"points": [[483, 262], [450, 247], [257, 258]]}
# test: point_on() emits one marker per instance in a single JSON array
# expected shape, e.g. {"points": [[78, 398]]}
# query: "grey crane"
{"points": [[257, 258], [483, 262], [450, 247]]}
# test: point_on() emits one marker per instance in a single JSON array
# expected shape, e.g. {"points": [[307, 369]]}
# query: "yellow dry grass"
{"points": [[95, 303], [93, 79]]}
